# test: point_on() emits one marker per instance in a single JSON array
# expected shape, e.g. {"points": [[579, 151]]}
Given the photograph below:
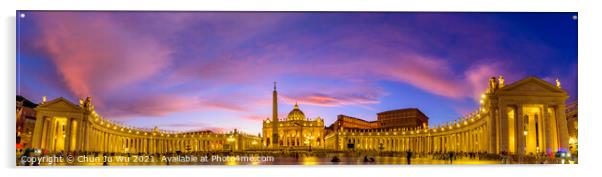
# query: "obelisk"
{"points": [[275, 118]]}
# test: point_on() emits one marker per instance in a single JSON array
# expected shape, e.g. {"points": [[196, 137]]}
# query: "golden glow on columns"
{"points": [[230, 139]]}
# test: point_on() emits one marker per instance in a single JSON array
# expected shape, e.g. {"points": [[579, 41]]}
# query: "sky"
{"points": [[186, 71]]}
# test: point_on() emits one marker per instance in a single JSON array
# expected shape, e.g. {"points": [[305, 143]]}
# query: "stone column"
{"points": [[105, 142], [492, 133], [96, 144], [86, 135], [151, 146], [136, 145], [108, 142], [563, 134], [519, 135], [68, 135], [465, 144], [130, 145], [142, 146], [547, 130], [100, 142], [45, 133], [472, 140], [50, 135], [38, 131], [503, 127], [93, 144], [79, 132]]}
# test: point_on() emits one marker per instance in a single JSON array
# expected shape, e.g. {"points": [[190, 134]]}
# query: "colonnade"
{"points": [[525, 117], [457, 138], [113, 142], [62, 126]]}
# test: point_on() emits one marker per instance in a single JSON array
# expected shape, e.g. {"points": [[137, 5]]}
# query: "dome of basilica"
{"points": [[296, 114]]}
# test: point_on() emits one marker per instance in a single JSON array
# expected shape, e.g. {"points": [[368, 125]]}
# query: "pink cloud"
{"points": [[256, 118], [106, 55], [431, 75], [320, 99], [195, 126], [477, 77], [161, 105], [437, 76], [95, 56]]}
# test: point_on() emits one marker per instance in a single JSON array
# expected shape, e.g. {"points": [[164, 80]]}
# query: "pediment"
{"points": [[531, 85], [60, 104]]}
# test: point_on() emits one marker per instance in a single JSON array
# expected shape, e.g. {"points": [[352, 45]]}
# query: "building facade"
{"points": [[572, 120], [294, 132], [62, 126], [402, 118], [344, 121], [26, 117], [525, 117]]}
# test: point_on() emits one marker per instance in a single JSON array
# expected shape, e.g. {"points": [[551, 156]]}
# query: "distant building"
{"points": [[347, 122], [409, 118], [572, 121], [26, 120], [402, 118]]}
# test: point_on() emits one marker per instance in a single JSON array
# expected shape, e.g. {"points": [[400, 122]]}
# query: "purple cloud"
{"points": [[152, 64]]}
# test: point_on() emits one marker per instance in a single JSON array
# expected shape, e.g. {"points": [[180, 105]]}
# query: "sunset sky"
{"points": [[215, 70]]}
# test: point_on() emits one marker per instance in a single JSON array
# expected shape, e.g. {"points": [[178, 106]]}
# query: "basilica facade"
{"points": [[295, 131]]}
